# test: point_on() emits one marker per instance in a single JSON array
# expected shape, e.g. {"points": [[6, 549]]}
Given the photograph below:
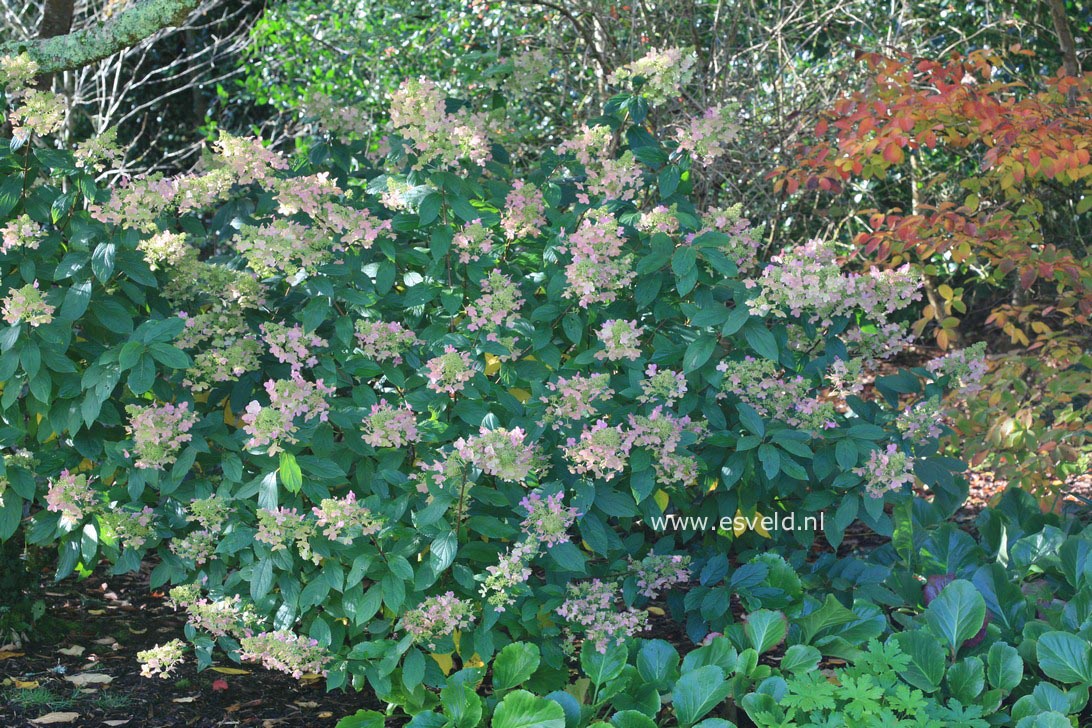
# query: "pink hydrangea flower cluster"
{"points": [[608, 177], [473, 241], [758, 383], [250, 161], [95, 152], [210, 512], [166, 250], [132, 529], [388, 426], [871, 344], [71, 495], [284, 247], [356, 227], [498, 305], [501, 453], [602, 451], [27, 305], [384, 341], [886, 470], [657, 572], [289, 399], [397, 195], [547, 523], [136, 203], [162, 659], [21, 232], [808, 280], [661, 433], [591, 608], [279, 526], [450, 371], [574, 397], [966, 367], [660, 219], [343, 519], [524, 210], [306, 194], [844, 376], [743, 241], [548, 520], [921, 421], [621, 340], [223, 363], [450, 468], [40, 112], [599, 269], [159, 432], [228, 617], [667, 386], [196, 546], [417, 113], [292, 345], [286, 652], [665, 72], [17, 72], [707, 136], [437, 617], [510, 574]]}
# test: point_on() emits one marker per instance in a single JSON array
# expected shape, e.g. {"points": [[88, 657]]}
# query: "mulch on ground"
{"points": [[113, 618]]}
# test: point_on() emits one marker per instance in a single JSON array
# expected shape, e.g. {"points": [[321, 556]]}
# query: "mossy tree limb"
{"points": [[82, 47]]}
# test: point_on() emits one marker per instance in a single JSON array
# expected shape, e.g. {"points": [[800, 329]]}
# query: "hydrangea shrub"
{"points": [[373, 404]]}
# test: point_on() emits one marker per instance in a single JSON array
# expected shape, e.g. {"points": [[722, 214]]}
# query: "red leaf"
{"points": [[219, 685]]}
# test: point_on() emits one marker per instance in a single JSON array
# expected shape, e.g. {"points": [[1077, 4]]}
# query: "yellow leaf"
{"points": [[475, 661], [26, 684], [56, 717], [655, 610], [492, 364], [5, 655], [521, 394], [456, 638], [445, 662], [229, 416], [741, 524], [945, 290], [230, 671], [310, 677], [661, 499]]}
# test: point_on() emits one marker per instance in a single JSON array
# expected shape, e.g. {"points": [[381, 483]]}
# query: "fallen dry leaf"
{"points": [[115, 722], [96, 612], [306, 703], [89, 678], [73, 651], [25, 684], [325, 714], [49, 718], [183, 700], [230, 671], [106, 641], [5, 655]]}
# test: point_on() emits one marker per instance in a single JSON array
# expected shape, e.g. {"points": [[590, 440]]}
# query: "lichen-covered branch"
{"points": [[81, 47]]}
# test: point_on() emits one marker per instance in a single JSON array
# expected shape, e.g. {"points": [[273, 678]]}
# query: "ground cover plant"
{"points": [[449, 425]]}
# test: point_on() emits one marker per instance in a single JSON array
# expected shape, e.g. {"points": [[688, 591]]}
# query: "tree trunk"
{"points": [[82, 47]]}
